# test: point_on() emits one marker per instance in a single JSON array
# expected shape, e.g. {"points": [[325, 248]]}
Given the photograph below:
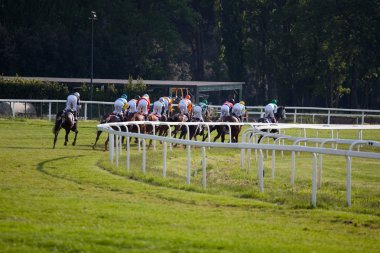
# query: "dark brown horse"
{"points": [[66, 121], [280, 114], [108, 118], [222, 130], [194, 130], [178, 117]]}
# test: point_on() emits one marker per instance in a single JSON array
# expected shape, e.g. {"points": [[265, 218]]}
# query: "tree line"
{"points": [[303, 52]]}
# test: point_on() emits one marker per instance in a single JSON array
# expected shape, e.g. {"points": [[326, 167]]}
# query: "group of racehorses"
{"points": [[66, 121]]}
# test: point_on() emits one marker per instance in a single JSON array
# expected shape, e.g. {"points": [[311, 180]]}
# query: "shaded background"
{"points": [[305, 53]]}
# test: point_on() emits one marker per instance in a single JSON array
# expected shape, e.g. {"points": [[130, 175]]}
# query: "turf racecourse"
{"points": [[70, 200]]}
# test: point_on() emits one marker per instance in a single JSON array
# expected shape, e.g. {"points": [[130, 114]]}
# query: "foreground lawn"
{"points": [[71, 200]]}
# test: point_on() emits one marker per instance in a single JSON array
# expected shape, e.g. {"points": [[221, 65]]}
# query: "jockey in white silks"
{"points": [[239, 110], [197, 113], [120, 105], [226, 108], [167, 104], [185, 105], [158, 108], [143, 104], [132, 108], [73, 104], [270, 110]]}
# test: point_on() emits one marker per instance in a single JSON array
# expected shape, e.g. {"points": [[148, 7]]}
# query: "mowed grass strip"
{"points": [[68, 200]]}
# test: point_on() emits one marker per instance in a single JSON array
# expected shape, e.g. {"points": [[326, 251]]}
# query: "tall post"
{"points": [[92, 17]]}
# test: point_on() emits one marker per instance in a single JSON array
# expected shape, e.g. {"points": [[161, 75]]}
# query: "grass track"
{"points": [[70, 200]]}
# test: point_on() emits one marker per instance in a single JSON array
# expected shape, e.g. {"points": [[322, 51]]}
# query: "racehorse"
{"points": [[193, 129], [108, 118], [178, 117], [66, 121], [280, 114], [196, 129], [138, 116], [223, 130]]}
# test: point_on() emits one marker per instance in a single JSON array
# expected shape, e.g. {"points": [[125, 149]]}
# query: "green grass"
{"points": [[72, 200]]}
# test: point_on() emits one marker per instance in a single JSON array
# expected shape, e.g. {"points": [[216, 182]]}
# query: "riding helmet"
{"points": [[124, 96], [242, 102], [77, 94], [187, 97], [274, 101]]}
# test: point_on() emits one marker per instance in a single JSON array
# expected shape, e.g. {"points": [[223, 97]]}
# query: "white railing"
{"points": [[247, 146], [254, 112]]}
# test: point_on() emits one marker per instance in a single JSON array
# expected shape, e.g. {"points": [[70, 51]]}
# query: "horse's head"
{"points": [[163, 118], [152, 117], [281, 113], [138, 117]]}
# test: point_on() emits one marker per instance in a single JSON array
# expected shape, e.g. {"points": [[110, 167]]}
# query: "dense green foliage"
{"points": [[305, 52], [63, 200], [35, 89]]}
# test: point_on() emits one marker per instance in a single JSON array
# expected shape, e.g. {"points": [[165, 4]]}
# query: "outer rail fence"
{"points": [[46, 108], [247, 146]]}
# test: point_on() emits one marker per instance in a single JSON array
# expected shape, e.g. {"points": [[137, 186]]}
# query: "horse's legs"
{"points": [[205, 136], [97, 138], [75, 136], [223, 136], [106, 143], [220, 133], [67, 136], [55, 138]]}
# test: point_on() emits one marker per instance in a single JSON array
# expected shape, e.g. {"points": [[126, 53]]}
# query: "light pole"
{"points": [[93, 17]]}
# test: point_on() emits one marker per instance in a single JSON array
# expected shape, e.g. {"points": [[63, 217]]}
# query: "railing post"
{"points": [[117, 149], [363, 118], [188, 164], [293, 167], [111, 143], [328, 117], [295, 116], [164, 159], [204, 168], [144, 156], [128, 154], [85, 111], [261, 170], [348, 184], [49, 116], [314, 183]]}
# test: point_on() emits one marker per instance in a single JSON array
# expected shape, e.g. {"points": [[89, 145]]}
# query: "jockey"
{"points": [[120, 105], [158, 107], [143, 104], [203, 104], [197, 113], [270, 110], [132, 105], [238, 110], [185, 105], [226, 108], [167, 105], [73, 104]]}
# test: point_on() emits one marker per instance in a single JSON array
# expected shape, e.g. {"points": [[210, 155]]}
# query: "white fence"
{"points": [[48, 108], [248, 144]]}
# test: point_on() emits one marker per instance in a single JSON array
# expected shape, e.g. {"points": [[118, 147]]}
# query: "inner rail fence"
{"points": [[249, 144], [45, 108]]}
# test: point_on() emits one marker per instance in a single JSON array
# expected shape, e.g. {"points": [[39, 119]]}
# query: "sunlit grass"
{"points": [[72, 199]]}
